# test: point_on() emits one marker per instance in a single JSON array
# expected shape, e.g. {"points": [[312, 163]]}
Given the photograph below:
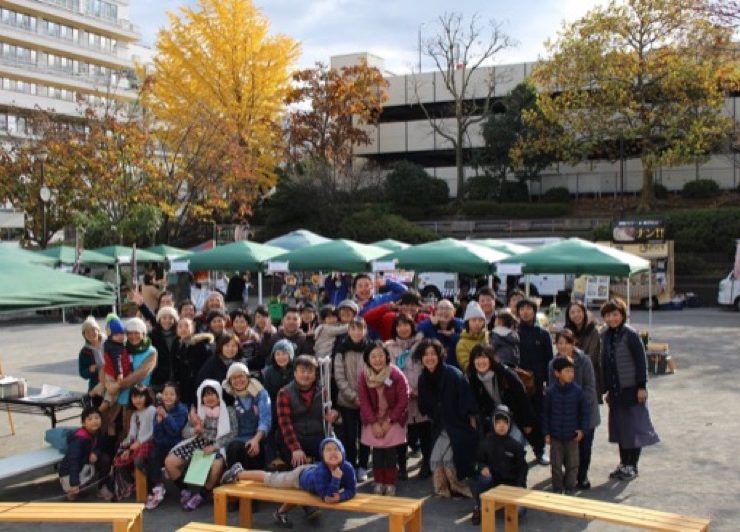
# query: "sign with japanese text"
{"points": [[626, 231]]}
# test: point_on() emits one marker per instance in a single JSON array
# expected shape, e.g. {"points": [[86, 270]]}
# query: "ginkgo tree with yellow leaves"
{"points": [[649, 72], [217, 91]]}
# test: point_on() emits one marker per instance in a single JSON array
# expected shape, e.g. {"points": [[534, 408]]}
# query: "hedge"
{"points": [[704, 230], [492, 209], [557, 195], [700, 189]]}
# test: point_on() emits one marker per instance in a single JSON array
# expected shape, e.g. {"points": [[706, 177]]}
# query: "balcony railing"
{"points": [[122, 83], [73, 6], [79, 43]]}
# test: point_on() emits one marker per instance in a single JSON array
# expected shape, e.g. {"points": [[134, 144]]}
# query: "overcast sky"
{"points": [[387, 28]]}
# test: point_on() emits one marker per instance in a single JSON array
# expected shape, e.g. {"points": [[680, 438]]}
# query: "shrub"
{"points": [[370, 225], [491, 209], [481, 187], [689, 264], [660, 191], [410, 185], [700, 189], [704, 230], [557, 195], [601, 233], [514, 191]]}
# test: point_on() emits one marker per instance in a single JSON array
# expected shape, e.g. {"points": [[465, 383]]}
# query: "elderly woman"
{"points": [[565, 344], [253, 416], [90, 359], [625, 383], [445, 397]]}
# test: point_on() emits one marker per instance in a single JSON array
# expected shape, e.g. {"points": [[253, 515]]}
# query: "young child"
{"points": [[211, 426], [136, 446], [505, 339], [85, 461], [384, 401], [170, 418], [564, 422], [500, 458], [325, 334], [90, 360], [474, 333], [117, 362], [333, 480]]}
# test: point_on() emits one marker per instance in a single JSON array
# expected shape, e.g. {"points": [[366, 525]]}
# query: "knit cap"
{"points": [[114, 325], [168, 311], [473, 310], [348, 303], [136, 325], [286, 346]]}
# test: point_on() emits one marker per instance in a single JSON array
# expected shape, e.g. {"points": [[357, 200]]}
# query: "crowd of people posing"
{"points": [[466, 395]]}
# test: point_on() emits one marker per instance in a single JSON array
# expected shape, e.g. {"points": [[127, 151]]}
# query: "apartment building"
{"points": [[404, 133], [54, 53]]}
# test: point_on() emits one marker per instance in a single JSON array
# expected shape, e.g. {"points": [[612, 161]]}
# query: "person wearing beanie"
{"points": [[474, 333], [90, 360], [277, 373], [116, 360], [445, 327], [332, 478], [347, 310], [253, 412], [143, 358], [166, 342], [499, 460], [290, 329], [535, 353], [565, 420]]}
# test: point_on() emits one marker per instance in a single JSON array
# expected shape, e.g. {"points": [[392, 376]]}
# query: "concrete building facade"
{"points": [[404, 133]]}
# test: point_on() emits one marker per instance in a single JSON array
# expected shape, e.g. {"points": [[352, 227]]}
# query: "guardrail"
{"points": [[511, 227]]}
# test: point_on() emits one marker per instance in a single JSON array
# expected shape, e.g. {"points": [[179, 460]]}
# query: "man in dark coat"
{"points": [[535, 349]]}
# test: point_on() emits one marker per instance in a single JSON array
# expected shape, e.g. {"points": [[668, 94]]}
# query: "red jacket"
{"points": [[381, 318], [396, 395]]}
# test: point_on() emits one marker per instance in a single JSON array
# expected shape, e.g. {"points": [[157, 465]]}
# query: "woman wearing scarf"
{"points": [[625, 381], [418, 428], [384, 397], [253, 418], [494, 384], [90, 359], [445, 396]]}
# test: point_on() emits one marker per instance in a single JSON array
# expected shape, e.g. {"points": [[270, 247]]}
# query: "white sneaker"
{"points": [[156, 498], [390, 490], [379, 489], [361, 474]]}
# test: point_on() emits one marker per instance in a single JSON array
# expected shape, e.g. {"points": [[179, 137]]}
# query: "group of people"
{"points": [[391, 377]]}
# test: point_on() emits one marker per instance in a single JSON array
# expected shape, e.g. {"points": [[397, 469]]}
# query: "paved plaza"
{"points": [[694, 470]]}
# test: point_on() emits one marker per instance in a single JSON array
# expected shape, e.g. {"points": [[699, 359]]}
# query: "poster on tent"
{"points": [[597, 289]]}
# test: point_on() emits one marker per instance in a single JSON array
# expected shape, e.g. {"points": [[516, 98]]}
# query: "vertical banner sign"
{"points": [[134, 269], [737, 261], [78, 251]]}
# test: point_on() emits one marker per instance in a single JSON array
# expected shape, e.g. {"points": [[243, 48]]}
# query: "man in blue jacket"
{"points": [[445, 327], [333, 479]]}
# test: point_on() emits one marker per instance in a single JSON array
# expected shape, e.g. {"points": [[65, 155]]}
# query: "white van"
{"points": [[729, 291]]}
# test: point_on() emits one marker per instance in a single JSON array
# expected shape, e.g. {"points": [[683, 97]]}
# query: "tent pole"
{"points": [[526, 286], [490, 281], [650, 295], [629, 279], [118, 288], [259, 287]]}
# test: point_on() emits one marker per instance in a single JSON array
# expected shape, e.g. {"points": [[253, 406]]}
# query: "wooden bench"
{"points": [[30, 461], [512, 497], [403, 513], [123, 517], [142, 490], [210, 527]]}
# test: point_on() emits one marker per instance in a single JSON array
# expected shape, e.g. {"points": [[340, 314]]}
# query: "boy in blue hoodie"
{"points": [[564, 422], [84, 461], [333, 480]]}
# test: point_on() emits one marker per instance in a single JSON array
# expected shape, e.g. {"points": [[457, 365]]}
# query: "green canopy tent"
{"points": [[237, 256], [334, 255], [500, 245], [26, 286], [23, 255], [391, 245], [168, 252], [579, 257], [448, 255], [300, 238], [67, 255]]}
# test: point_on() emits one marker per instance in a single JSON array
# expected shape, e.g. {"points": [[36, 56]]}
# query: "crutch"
{"points": [[325, 376]]}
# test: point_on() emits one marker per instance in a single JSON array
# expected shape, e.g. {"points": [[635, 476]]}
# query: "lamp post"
{"points": [[42, 154], [420, 26]]}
